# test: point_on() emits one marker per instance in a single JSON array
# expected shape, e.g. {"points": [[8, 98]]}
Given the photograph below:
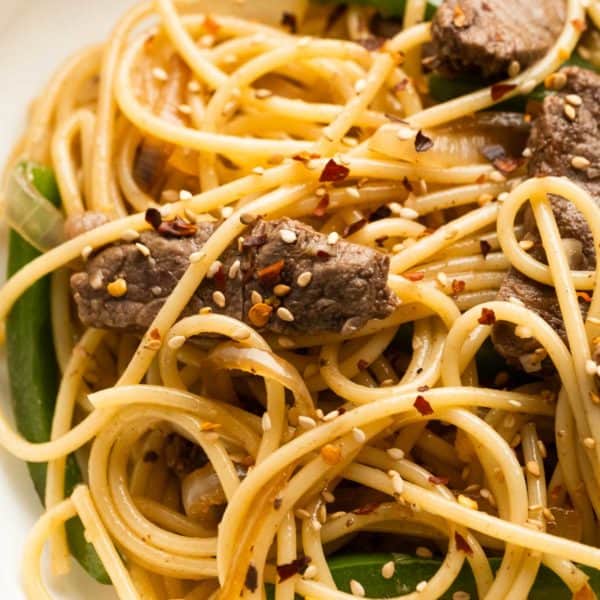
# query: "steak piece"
{"points": [[486, 36], [554, 141], [319, 285]]}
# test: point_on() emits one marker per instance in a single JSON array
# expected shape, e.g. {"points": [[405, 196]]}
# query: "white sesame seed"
{"points": [[330, 416], [360, 85], [397, 482], [176, 342], [423, 552], [310, 572], [580, 162], [590, 367], [514, 68], [589, 442], [388, 569], [226, 212], [281, 289], [302, 513], [185, 109], [516, 403], [333, 238], [306, 422], [266, 422], [130, 235], [570, 112], [262, 93], [240, 334], [526, 244], [234, 269], [442, 278], [503, 197], [255, 297], [328, 496], [194, 86], [288, 236], [353, 191], [160, 74], [421, 586], [85, 253], [356, 588], [185, 195], [285, 342], [533, 468], [395, 453], [405, 133], [526, 153], [144, 250], [196, 257], [258, 170], [284, 314], [407, 213], [304, 279], [574, 99], [214, 269], [359, 435], [219, 299]]}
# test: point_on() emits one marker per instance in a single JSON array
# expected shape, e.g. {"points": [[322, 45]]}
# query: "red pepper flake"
{"points": [[269, 275], [367, 509], [211, 26], [177, 227], [220, 279], [485, 247], [354, 227], [155, 334], [153, 217], [297, 566], [362, 364], [407, 184], [414, 275], [458, 286], [462, 545], [481, 179], [334, 171], [488, 317], [251, 580], [321, 208], [584, 296], [422, 142], [324, 254], [423, 406], [585, 592], [304, 157], [289, 20], [423, 388], [401, 86], [501, 89], [438, 480], [579, 24]]}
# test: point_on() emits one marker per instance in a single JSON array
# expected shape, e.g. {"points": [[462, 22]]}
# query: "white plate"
{"points": [[35, 36]]}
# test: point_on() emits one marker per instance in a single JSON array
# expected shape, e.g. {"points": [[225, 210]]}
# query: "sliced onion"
{"points": [[29, 213]]}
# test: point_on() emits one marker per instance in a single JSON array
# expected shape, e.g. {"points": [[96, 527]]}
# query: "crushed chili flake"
{"points": [[251, 580], [423, 406], [414, 275], [438, 480], [304, 157], [585, 592], [252, 241], [488, 317], [277, 502], [423, 388], [211, 26], [289, 20], [362, 364], [407, 184], [579, 24], [501, 89], [485, 247], [150, 456], [334, 171], [323, 254], [458, 286], [155, 334], [153, 217], [220, 279], [297, 566], [177, 227], [422, 142], [367, 509], [584, 296], [462, 545], [270, 274], [508, 164], [321, 207], [354, 227]]}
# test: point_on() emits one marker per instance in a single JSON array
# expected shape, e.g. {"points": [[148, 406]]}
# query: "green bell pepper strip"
{"points": [[33, 372], [409, 571]]}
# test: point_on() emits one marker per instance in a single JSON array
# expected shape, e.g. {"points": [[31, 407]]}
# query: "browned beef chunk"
{"points": [[486, 36], [346, 287], [554, 141]]}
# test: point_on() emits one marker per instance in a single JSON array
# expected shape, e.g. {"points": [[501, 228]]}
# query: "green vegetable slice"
{"points": [[33, 370]]}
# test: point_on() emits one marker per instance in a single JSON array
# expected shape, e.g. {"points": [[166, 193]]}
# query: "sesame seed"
{"points": [[360, 85], [555, 81], [526, 244], [353, 191], [407, 213], [284, 314], [205, 310], [160, 74], [303, 42], [570, 112], [359, 435], [258, 170], [423, 552], [503, 197], [281, 289], [523, 332], [240, 334], [262, 93], [185, 109], [144, 250], [516, 403], [397, 482], [185, 195], [194, 86], [130, 235], [467, 502], [219, 299], [526, 153], [421, 586], [330, 416], [176, 342], [542, 448], [548, 515], [590, 367], [405, 133], [85, 253], [356, 588], [196, 257], [306, 422], [333, 238], [388, 569], [533, 468], [302, 513], [234, 269], [395, 453], [514, 68], [255, 297], [574, 99], [328, 496], [442, 278], [288, 236], [580, 162], [266, 422], [117, 288], [214, 269], [226, 212], [320, 192], [589, 442], [310, 572], [304, 279], [156, 290]]}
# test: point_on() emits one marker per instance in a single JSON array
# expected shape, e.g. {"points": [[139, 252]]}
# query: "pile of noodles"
{"points": [[229, 102]]}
